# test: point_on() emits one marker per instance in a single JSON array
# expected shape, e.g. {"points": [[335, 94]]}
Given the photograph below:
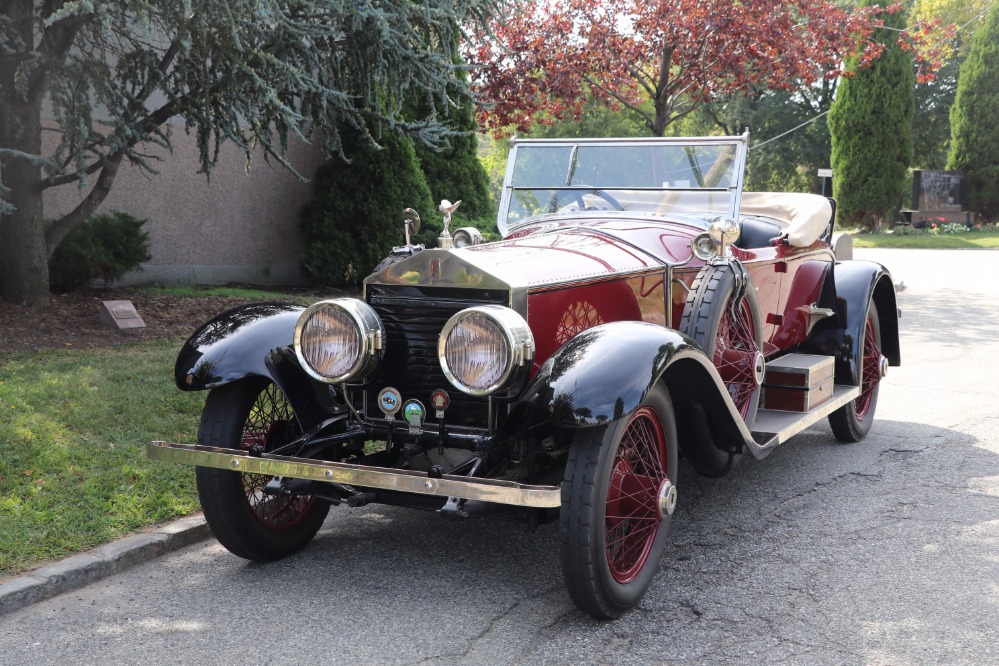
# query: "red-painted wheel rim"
{"points": [[735, 356], [270, 415], [632, 518], [870, 371]]}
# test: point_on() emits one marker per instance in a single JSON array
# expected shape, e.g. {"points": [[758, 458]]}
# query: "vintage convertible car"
{"points": [[641, 308]]}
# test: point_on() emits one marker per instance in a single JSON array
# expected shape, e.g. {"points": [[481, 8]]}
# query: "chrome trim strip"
{"points": [[486, 490]]}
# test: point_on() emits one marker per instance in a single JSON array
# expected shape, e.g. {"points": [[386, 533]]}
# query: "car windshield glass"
{"points": [[638, 176]]}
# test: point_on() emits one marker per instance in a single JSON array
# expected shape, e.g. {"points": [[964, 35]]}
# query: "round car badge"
{"points": [[414, 413], [389, 401], [439, 400]]}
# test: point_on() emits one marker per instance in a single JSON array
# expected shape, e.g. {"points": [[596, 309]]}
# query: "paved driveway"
{"points": [[882, 552]]}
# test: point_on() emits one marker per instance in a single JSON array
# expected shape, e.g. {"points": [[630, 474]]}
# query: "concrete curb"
{"points": [[77, 571]]}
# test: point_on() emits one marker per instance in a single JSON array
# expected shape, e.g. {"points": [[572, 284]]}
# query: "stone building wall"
{"points": [[236, 226]]}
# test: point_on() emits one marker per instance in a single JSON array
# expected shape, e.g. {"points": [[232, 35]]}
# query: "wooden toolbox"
{"points": [[798, 382]]}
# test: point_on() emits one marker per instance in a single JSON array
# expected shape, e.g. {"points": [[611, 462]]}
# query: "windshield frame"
{"points": [[733, 189]]}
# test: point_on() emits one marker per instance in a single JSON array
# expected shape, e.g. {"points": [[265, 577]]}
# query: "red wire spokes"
{"points": [[870, 370], [735, 354], [269, 413], [632, 515]]}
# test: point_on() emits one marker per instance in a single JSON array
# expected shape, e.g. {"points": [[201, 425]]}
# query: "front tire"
{"points": [[851, 422], [249, 522], [617, 501]]}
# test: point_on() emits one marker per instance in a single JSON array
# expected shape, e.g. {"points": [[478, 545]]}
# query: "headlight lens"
{"points": [[481, 347], [339, 340]]}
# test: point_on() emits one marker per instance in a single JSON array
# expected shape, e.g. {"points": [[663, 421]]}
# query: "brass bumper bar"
{"points": [[486, 490]]}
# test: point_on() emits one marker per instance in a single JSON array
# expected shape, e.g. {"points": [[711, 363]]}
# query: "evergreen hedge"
{"points": [[974, 120], [104, 248], [870, 124], [352, 223]]}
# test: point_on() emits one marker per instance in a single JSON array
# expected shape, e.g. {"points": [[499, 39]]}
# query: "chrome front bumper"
{"points": [[486, 490]]}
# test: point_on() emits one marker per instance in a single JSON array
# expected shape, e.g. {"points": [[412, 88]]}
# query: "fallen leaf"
{"points": [[28, 472]]}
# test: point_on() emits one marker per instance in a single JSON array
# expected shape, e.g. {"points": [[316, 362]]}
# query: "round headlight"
{"points": [[339, 340], [703, 247], [467, 236], [480, 348]]}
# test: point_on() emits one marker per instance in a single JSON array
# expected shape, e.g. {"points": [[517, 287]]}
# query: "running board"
{"points": [[773, 427]]}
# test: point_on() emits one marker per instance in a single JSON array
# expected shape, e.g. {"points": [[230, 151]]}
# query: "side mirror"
{"points": [[410, 221]]}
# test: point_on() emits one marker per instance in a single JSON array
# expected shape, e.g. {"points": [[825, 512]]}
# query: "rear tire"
{"points": [[249, 523], [851, 422], [612, 527]]}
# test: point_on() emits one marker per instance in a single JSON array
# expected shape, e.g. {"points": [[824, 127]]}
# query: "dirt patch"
{"points": [[72, 321]]}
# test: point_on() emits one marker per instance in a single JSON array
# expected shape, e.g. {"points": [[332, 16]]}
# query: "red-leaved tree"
{"points": [[658, 58]]}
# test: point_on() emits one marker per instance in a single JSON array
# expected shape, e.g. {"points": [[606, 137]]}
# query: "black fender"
{"points": [[604, 373], [234, 345], [253, 341], [857, 283]]}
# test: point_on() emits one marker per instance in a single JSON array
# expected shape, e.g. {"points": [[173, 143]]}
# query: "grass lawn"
{"points": [[73, 470], [924, 240]]}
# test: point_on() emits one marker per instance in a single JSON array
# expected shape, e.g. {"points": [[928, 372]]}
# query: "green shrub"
{"points": [[973, 119], [104, 248], [870, 125], [352, 223]]}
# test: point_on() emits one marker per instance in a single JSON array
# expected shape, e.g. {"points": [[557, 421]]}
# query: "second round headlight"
{"points": [[481, 347]]}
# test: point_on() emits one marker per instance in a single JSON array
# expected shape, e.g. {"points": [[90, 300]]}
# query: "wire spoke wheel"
{"points": [[617, 504], [870, 370], [253, 415], [270, 424], [736, 353], [632, 516], [852, 422]]}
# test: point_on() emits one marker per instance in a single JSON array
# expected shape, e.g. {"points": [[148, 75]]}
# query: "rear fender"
{"points": [[857, 284]]}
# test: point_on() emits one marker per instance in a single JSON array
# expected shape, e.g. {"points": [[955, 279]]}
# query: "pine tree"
{"points": [[352, 223], [975, 117], [456, 172], [870, 124]]}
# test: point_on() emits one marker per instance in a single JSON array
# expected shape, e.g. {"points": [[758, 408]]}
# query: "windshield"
{"points": [[645, 176]]}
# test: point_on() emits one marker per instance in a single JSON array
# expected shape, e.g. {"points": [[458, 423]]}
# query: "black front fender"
{"points": [[605, 372], [235, 344]]}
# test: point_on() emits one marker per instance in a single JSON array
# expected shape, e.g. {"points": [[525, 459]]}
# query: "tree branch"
{"points": [[90, 203]]}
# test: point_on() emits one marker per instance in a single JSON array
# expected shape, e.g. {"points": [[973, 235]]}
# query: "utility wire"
{"points": [[812, 120]]}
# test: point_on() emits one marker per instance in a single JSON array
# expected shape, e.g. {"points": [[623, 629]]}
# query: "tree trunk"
{"points": [[22, 232]]}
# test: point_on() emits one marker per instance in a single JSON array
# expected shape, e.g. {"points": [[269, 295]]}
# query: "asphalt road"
{"points": [[882, 552]]}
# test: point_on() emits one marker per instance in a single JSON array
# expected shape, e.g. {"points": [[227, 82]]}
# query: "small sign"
{"points": [[120, 315], [440, 400], [389, 401], [825, 173], [414, 413]]}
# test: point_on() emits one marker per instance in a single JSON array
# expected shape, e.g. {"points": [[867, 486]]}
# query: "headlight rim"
{"points": [[371, 333], [519, 340]]}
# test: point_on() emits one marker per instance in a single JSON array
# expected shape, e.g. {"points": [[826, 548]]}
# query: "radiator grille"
{"points": [[412, 329]]}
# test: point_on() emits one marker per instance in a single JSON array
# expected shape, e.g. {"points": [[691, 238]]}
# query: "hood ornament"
{"points": [[444, 241]]}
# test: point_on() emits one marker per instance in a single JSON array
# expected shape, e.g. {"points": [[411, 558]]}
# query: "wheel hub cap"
{"points": [[759, 368], [666, 499]]}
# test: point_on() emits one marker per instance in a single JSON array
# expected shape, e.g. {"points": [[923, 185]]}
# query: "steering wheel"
{"points": [[564, 197]]}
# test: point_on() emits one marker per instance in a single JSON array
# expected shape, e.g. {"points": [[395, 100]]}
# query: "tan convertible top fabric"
{"points": [[806, 215]]}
